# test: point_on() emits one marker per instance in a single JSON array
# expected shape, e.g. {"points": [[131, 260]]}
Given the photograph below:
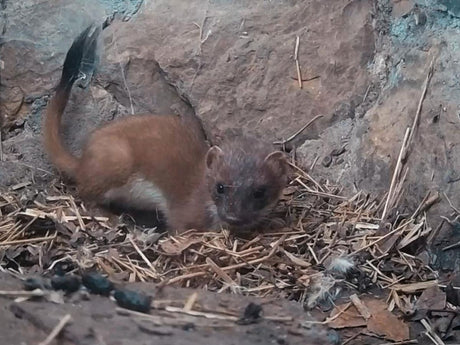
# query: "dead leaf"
{"points": [[381, 322], [388, 244], [178, 245], [384, 323], [431, 298], [349, 318]]}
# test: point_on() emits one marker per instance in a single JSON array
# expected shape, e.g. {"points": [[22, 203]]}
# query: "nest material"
{"points": [[330, 242]]}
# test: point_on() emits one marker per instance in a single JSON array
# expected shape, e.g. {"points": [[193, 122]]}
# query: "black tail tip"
{"points": [[81, 58]]}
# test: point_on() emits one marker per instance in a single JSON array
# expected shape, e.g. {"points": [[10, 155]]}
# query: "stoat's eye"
{"points": [[220, 188], [259, 193]]}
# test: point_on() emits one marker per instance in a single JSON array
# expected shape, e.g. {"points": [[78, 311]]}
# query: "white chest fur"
{"points": [[138, 193]]}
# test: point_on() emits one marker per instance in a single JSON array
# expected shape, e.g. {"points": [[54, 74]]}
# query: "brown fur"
{"points": [[161, 149]]}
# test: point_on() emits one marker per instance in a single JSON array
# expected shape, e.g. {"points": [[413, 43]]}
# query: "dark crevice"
{"points": [[186, 99]]}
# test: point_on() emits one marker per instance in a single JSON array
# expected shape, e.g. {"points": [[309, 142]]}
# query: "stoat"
{"points": [[163, 163]]}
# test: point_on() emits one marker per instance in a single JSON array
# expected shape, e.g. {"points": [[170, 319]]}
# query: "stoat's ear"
{"points": [[277, 162], [213, 156]]}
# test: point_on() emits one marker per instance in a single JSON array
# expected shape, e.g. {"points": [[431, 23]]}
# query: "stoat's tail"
{"points": [[79, 59]]}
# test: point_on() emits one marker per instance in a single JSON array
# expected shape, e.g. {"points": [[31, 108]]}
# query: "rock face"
{"points": [[236, 70], [231, 63], [235, 62], [400, 66]]}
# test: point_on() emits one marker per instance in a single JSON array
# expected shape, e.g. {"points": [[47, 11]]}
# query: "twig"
{"points": [[307, 79], [298, 73], [353, 337], [431, 333], [54, 333], [427, 202], [1, 123], [1, 144], [77, 214], [328, 319], [408, 137], [396, 172], [141, 254], [367, 92], [125, 82], [200, 64], [376, 241], [161, 321], [297, 65], [452, 246], [292, 137], [415, 287], [420, 103], [33, 293], [404, 342], [32, 167], [202, 40], [231, 267], [450, 204], [224, 276], [200, 314], [21, 185], [28, 240]]}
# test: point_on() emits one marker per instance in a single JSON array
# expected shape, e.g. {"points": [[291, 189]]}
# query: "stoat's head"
{"points": [[245, 179]]}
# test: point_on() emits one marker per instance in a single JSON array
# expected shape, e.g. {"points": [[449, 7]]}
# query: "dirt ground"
{"points": [[364, 66], [95, 320]]}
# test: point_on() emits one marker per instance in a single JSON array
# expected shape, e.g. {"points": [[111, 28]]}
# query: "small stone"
{"points": [[339, 161], [419, 16], [327, 160], [133, 300], [333, 337], [252, 314], [188, 326], [68, 283], [97, 284]]}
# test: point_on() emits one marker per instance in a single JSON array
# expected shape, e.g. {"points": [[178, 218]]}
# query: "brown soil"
{"points": [[95, 320]]}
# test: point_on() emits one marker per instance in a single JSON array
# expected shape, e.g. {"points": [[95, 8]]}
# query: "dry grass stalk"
{"points": [[292, 137], [400, 172], [396, 174], [420, 103], [431, 333], [318, 223], [296, 59]]}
